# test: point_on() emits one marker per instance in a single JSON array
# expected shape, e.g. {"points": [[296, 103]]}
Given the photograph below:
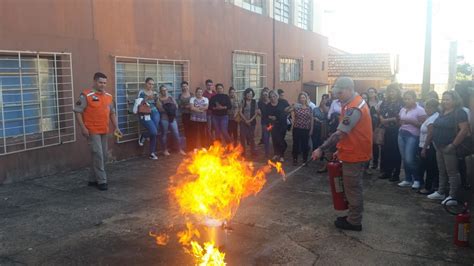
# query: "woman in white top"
{"points": [[199, 105], [428, 162]]}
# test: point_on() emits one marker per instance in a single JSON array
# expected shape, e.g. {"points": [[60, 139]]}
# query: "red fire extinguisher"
{"points": [[337, 188], [462, 225]]}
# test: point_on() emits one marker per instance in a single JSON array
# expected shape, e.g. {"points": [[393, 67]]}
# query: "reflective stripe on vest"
{"points": [[96, 115], [356, 146]]}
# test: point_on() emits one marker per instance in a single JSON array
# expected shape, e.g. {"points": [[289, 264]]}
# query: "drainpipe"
{"points": [[274, 53]]}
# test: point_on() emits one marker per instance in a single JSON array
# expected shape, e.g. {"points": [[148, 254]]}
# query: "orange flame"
{"points": [[212, 182], [209, 255], [278, 167], [210, 185], [161, 239]]}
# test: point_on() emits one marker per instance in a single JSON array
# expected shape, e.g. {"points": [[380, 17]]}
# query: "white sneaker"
{"points": [[416, 185], [404, 184], [449, 201], [182, 152], [153, 156], [436, 196], [166, 153], [282, 159]]}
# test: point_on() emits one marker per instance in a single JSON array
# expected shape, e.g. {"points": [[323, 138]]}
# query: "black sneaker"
{"points": [[341, 218], [345, 225], [92, 183], [103, 187], [384, 176]]}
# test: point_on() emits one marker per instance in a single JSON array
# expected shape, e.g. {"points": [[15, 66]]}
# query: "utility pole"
{"points": [[453, 53], [427, 62]]}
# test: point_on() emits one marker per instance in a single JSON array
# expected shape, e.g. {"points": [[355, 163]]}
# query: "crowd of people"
{"points": [[421, 136], [429, 138]]}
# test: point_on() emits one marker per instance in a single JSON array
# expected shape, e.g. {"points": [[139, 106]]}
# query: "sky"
{"points": [[398, 27]]}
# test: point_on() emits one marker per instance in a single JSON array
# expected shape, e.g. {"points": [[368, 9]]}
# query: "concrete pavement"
{"points": [[59, 220]]}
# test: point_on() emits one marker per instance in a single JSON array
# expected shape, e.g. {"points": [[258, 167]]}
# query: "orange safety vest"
{"points": [[356, 146], [96, 114]]}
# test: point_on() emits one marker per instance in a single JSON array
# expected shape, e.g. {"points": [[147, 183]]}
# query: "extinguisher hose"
{"points": [[456, 208]]}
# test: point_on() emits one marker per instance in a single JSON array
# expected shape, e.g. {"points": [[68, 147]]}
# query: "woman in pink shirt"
{"points": [[411, 117]]}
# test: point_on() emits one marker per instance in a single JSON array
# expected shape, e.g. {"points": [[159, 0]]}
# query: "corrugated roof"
{"points": [[360, 65]]}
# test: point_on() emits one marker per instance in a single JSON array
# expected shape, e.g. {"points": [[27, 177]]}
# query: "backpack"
{"points": [[170, 110]]}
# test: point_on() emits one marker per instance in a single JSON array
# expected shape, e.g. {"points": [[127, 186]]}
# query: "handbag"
{"points": [[379, 135], [144, 108], [466, 147]]}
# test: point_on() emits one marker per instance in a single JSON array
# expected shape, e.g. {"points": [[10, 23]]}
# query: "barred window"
{"points": [[304, 14], [282, 10], [36, 100], [130, 75], [253, 5], [248, 71], [290, 69]]}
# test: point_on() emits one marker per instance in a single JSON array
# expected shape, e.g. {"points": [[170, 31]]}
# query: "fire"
{"points": [[211, 183], [161, 239], [209, 186], [209, 255]]}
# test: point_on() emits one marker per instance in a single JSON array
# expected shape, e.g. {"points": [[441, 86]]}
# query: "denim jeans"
{"points": [[173, 126], [152, 126], [408, 146], [221, 125], [266, 140]]}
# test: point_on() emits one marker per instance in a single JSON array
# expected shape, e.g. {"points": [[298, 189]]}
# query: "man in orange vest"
{"points": [[93, 110], [353, 139]]}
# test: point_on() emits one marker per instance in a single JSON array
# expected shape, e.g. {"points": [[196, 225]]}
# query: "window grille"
{"points": [[282, 10], [304, 14], [36, 100], [290, 69], [254, 6], [248, 71], [130, 75]]}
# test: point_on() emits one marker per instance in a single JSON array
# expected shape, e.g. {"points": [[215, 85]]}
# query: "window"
{"points": [[282, 10], [322, 66], [248, 71], [130, 75], [289, 69], [36, 100], [304, 14], [253, 5], [312, 65]]}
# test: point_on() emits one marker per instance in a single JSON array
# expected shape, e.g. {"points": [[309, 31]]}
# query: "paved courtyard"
{"points": [[59, 220]]}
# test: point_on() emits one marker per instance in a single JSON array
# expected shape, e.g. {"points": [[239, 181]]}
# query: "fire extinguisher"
{"points": [[337, 187], [462, 225]]}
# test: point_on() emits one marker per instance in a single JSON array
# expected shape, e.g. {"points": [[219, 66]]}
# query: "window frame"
{"points": [[252, 6], [280, 6], [260, 76], [304, 14], [140, 81], [64, 128], [290, 69]]}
